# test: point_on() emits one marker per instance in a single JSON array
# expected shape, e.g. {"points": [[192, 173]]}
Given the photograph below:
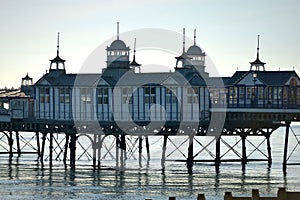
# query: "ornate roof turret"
{"points": [[183, 58], [117, 45], [195, 49], [257, 63], [26, 85], [57, 61], [197, 56], [27, 81], [134, 63], [118, 54]]}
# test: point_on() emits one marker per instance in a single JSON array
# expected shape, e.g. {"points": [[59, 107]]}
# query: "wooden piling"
{"points": [[228, 196], [255, 194], [201, 197]]}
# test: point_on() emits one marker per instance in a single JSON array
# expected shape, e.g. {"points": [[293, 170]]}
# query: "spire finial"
{"points": [[134, 49], [117, 30], [183, 48], [57, 52], [257, 46], [257, 63], [134, 46], [134, 63], [194, 36]]}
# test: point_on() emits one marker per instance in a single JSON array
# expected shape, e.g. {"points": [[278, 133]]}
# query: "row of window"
{"points": [[244, 94], [103, 94], [263, 93]]}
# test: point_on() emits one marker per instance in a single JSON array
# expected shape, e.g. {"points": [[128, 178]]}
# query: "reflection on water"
{"points": [[31, 181], [24, 178]]}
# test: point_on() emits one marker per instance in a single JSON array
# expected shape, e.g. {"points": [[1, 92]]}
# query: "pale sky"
{"points": [[226, 30]]}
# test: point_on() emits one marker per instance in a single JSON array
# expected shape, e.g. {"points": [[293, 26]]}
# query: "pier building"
{"points": [[122, 102]]}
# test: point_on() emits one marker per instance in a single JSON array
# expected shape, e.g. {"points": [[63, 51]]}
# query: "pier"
{"points": [[118, 110]]}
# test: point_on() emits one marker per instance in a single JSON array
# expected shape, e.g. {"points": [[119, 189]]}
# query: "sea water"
{"points": [[25, 178]]}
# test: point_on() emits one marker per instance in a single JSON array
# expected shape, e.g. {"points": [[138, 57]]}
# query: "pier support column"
{"points": [[51, 150], [37, 137], [140, 150], [286, 144], [18, 143], [269, 150], [147, 147], [163, 155], [66, 149], [117, 150], [43, 148], [123, 150], [94, 145], [10, 143], [97, 145], [99, 150], [190, 159], [218, 158], [244, 153], [72, 147]]}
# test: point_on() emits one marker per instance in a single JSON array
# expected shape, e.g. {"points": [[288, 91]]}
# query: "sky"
{"points": [[226, 30]]}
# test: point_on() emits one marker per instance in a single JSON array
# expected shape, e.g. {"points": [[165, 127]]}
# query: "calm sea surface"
{"points": [[24, 178]]}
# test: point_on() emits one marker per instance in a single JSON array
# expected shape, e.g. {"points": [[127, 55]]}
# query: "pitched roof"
{"points": [[270, 78], [71, 80], [275, 78]]}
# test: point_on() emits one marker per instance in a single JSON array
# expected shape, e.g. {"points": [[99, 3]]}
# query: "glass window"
{"points": [[242, 92]]}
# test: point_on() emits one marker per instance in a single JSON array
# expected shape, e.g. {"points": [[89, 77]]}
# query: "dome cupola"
{"points": [[118, 53], [196, 54]]}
